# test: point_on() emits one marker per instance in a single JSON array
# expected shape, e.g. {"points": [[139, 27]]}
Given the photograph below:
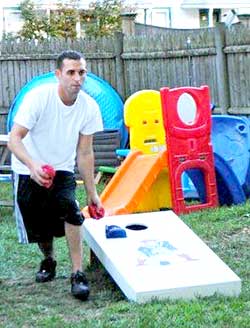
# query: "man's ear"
{"points": [[57, 73]]}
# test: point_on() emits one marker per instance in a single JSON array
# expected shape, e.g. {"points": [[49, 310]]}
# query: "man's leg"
{"points": [[79, 283], [30, 200], [47, 269], [47, 248], [74, 238]]}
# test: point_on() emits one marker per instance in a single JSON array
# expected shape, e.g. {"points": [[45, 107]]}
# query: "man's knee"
{"points": [[70, 212]]}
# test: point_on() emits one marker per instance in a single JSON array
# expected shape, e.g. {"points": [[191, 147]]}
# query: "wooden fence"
{"points": [[217, 57]]}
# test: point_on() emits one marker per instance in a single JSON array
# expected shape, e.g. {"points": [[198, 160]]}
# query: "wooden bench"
{"points": [[5, 168]]}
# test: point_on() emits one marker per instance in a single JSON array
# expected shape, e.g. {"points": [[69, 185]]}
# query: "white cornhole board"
{"points": [[166, 260]]}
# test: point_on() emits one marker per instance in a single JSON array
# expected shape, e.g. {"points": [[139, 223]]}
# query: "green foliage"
{"points": [[63, 21], [106, 19], [39, 25], [9, 36], [101, 19], [35, 25]]}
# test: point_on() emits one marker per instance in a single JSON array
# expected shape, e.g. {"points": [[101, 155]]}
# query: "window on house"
{"points": [[155, 16], [204, 17], [12, 21], [217, 15]]}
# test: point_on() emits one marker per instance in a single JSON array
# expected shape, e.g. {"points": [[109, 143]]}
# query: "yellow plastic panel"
{"points": [[143, 117]]}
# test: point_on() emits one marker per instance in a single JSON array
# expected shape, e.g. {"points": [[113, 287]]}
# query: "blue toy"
{"points": [[229, 189], [109, 101], [231, 140], [231, 144]]}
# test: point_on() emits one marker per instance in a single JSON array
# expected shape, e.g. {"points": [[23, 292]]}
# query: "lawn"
{"points": [[23, 303]]}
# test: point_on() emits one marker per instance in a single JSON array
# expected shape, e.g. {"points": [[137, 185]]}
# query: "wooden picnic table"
{"points": [[5, 153], [4, 167]]}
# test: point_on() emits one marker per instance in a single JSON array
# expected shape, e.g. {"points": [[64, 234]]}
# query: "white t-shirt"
{"points": [[54, 128]]}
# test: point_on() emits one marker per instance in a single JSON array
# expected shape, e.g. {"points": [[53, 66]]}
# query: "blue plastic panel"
{"points": [[230, 139], [229, 189]]}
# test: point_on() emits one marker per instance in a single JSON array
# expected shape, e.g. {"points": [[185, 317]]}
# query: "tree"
{"points": [[58, 23], [101, 19], [34, 26], [62, 22], [105, 16]]}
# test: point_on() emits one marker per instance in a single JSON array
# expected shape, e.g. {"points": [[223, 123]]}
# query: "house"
{"points": [[164, 13], [10, 20], [186, 13]]}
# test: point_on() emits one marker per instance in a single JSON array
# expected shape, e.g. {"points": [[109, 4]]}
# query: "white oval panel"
{"points": [[186, 109]]}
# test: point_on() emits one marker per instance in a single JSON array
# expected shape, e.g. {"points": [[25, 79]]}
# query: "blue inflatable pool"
{"points": [[109, 101]]}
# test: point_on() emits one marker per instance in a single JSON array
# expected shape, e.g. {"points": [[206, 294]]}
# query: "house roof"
{"points": [[152, 4], [42, 3], [233, 4]]}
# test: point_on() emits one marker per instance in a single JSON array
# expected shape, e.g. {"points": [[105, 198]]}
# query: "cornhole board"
{"points": [[165, 260]]}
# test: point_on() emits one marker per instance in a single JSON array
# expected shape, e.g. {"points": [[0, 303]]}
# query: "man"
{"points": [[53, 126]]}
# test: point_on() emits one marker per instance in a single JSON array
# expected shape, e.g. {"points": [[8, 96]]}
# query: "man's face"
{"points": [[71, 76]]}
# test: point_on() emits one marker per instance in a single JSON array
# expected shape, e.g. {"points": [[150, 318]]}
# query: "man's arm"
{"points": [[85, 163], [17, 147]]}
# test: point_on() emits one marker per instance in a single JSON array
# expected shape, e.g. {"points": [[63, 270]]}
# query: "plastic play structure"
{"points": [[149, 180], [187, 123], [109, 101], [170, 148], [136, 184], [231, 145], [143, 118], [143, 179], [230, 138]]}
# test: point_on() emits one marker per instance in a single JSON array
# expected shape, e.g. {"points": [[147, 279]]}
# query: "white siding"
{"points": [[188, 18]]}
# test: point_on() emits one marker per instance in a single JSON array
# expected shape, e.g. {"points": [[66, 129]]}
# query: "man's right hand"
{"points": [[48, 169], [41, 176]]}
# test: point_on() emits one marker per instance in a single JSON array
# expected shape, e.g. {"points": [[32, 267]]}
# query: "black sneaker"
{"points": [[79, 286], [47, 270]]}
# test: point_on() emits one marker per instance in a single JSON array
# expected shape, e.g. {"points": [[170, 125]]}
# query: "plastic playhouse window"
{"points": [[186, 109]]}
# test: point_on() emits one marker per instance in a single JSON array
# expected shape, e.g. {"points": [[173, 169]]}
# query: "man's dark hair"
{"points": [[67, 54]]}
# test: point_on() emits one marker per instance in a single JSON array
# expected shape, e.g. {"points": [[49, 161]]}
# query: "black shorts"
{"points": [[41, 213]]}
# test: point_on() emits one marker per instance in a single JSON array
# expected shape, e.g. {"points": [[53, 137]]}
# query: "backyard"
{"points": [[23, 303]]}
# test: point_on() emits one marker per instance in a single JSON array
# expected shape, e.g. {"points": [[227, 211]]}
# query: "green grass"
{"points": [[23, 303]]}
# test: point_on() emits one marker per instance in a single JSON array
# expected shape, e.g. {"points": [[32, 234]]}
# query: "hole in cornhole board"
{"points": [[136, 227]]}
